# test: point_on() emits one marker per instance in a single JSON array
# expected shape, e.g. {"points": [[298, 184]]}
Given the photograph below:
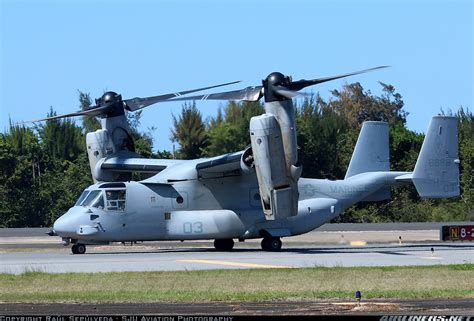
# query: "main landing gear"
{"points": [[224, 244], [78, 248], [271, 244]]}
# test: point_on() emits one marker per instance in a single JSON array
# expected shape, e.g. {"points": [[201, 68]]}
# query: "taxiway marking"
{"points": [[358, 243], [431, 257], [236, 264]]}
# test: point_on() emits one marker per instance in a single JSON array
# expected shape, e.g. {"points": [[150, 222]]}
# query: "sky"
{"points": [[51, 49]]}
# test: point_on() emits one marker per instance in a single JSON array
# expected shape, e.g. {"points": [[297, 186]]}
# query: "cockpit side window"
{"points": [[115, 200], [82, 197]]}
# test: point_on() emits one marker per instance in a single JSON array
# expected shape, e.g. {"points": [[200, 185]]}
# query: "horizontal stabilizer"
{"points": [[405, 178], [436, 173]]}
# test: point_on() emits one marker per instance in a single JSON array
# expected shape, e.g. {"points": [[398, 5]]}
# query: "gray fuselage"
{"points": [[216, 208]]}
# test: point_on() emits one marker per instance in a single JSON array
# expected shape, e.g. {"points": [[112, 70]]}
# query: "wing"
{"points": [[220, 166], [141, 165]]}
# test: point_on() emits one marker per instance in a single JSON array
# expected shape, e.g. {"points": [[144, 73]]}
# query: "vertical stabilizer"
{"points": [[371, 153], [436, 173]]}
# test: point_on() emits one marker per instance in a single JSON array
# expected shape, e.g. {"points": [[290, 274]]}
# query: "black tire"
{"points": [[224, 244], [271, 244], [275, 244], [80, 249], [74, 249]]}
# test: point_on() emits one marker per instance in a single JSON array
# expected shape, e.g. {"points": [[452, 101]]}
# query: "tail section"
{"points": [[371, 153], [436, 173]]}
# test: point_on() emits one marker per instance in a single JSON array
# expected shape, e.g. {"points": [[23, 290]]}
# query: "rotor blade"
{"points": [[139, 103], [91, 111], [300, 84], [246, 94], [286, 92]]}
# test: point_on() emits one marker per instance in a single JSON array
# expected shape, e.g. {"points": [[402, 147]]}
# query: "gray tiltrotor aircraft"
{"points": [[254, 193]]}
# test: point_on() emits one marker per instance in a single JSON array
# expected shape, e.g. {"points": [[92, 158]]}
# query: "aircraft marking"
{"points": [[237, 264]]}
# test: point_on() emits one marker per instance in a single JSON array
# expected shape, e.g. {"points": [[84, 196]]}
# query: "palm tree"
{"points": [[190, 132]]}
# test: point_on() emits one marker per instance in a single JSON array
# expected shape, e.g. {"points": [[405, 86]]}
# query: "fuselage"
{"points": [[213, 208], [220, 198]]}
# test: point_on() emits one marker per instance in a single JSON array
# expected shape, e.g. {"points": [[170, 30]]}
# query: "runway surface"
{"points": [[149, 258], [397, 244]]}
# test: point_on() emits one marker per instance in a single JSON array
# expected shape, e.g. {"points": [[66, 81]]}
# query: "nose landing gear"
{"points": [[271, 244], [78, 248]]}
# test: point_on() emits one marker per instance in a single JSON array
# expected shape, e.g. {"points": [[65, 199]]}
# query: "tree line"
{"points": [[44, 168]]}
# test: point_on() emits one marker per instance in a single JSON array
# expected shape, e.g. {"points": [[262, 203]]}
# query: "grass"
{"points": [[241, 285]]}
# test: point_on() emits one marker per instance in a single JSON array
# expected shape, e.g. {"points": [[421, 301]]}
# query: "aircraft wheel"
{"points": [[78, 249], [224, 244], [271, 244]]}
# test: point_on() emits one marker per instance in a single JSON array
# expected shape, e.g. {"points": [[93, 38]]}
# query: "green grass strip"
{"points": [[442, 281]]}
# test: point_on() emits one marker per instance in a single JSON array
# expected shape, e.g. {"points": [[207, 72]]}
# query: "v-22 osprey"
{"points": [[253, 193]]}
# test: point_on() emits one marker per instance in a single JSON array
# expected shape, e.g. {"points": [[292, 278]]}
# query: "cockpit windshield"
{"points": [[82, 197], [114, 199], [99, 202], [90, 198]]}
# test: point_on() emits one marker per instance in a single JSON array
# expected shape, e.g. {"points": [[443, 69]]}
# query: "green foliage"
{"points": [[357, 105], [62, 185], [229, 131], [143, 141], [41, 173], [466, 155], [89, 123], [61, 139], [21, 164], [404, 147], [321, 136], [190, 132]]}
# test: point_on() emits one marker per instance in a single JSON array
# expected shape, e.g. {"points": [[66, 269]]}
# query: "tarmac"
{"points": [[347, 245], [23, 250]]}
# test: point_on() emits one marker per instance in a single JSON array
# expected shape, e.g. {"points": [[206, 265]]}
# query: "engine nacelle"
{"points": [[113, 138], [99, 147], [278, 190]]}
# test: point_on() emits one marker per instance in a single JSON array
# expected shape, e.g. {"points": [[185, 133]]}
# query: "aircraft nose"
{"points": [[64, 226]]}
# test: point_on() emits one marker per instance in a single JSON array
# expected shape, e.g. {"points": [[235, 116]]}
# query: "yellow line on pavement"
{"points": [[358, 243], [236, 264], [431, 257]]}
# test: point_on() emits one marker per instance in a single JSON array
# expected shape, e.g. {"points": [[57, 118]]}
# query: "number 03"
{"points": [[189, 228]]}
